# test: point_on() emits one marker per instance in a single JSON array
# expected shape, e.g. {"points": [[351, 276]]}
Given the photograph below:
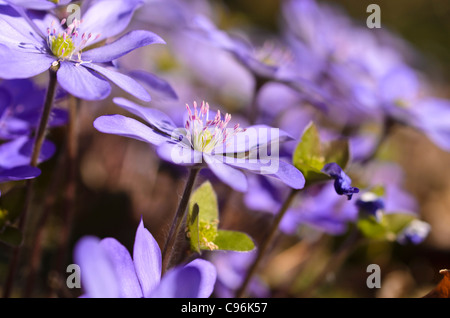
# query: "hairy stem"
{"points": [[38, 142], [178, 219], [71, 183]]}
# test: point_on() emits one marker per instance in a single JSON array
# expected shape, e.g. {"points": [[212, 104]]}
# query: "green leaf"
{"points": [[396, 222], [309, 149], [311, 155], [4, 218], [192, 226], [337, 151], [308, 156], [206, 199], [11, 236], [203, 222], [203, 219], [387, 228], [234, 241], [371, 228]]}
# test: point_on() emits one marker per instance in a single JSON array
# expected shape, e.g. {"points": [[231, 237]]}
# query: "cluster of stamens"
{"points": [[68, 45], [206, 134]]}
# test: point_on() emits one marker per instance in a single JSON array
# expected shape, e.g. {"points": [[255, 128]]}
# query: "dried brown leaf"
{"points": [[442, 290]]}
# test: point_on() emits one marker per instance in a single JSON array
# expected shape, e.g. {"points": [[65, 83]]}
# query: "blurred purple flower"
{"points": [[390, 177], [38, 4], [29, 47], [370, 204], [405, 99], [18, 173], [321, 209], [345, 59], [21, 104], [205, 140], [231, 270], [12, 168], [416, 232], [18, 152], [108, 271], [272, 61], [342, 182]]}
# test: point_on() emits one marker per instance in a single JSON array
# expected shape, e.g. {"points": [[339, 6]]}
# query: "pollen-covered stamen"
{"points": [[68, 45], [205, 134]]}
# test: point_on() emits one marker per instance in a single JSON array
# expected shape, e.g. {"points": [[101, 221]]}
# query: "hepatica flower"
{"points": [[108, 271], [371, 204], [415, 233], [15, 170], [342, 182], [29, 47], [20, 109], [206, 140], [39, 4]]}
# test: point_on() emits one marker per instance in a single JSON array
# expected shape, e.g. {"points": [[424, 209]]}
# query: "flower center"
{"points": [[61, 47], [205, 134], [68, 45]]}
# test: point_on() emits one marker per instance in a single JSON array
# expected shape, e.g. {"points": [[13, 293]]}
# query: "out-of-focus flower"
{"points": [[21, 104], [18, 173], [108, 271], [370, 204], [14, 169], [206, 140], [29, 47], [342, 182], [416, 232], [38, 4], [231, 270], [18, 152], [405, 99], [348, 59], [321, 209], [388, 177]]}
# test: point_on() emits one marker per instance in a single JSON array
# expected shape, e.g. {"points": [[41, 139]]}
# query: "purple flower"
{"points": [[38, 4], [321, 209], [205, 140], [20, 108], [403, 99], [29, 47], [18, 152], [345, 60], [342, 182], [231, 269], [109, 271], [415, 233], [388, 177], [272, 61], [370, 204], [18, 173], [12, 168]]}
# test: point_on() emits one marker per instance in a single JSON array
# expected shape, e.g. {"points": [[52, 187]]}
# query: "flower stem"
{"points": [[178, 219], [267, 242], [38, 142], [71, 182]]}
